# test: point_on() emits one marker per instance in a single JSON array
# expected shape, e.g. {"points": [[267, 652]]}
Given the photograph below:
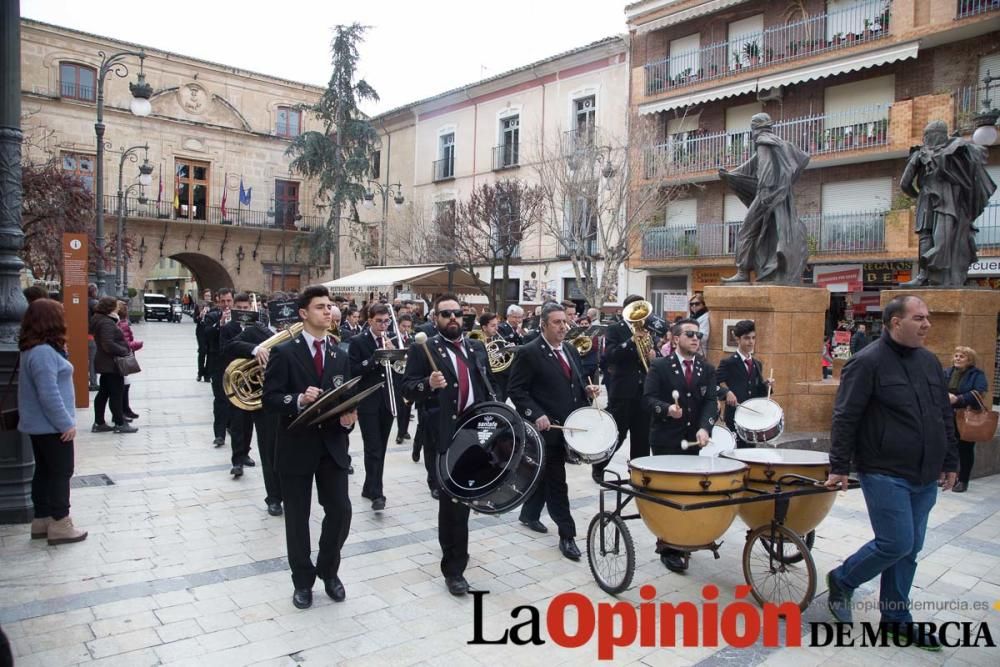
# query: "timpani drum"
{"points": [[591, 435], [687, 480], [766, 467], [759, 420]]}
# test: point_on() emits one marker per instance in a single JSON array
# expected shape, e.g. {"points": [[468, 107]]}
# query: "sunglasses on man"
{"points": [[697, 303], [448, 314], [693, 334]]}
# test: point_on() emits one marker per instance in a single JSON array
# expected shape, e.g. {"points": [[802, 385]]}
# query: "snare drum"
{"points": [[597, 437], [722, 441], [759, 420]]}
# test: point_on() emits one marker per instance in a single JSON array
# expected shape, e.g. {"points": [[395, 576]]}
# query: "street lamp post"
{"points": [[145, 178], [140, 106], [396, 192], [122, 262], [986, 120]]}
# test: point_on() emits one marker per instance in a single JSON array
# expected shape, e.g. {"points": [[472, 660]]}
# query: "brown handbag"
{"points": [[129, 365], [976, 425]]}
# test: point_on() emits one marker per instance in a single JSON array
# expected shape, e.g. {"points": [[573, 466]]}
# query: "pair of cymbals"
{"points": [[325, 406]]}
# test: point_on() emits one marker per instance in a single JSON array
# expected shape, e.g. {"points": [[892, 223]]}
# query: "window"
{"points": [[685, 58], [445, 165], [738, 136], [76, 82], [289, 122], [376, 170], [444, 219], [513, 289], [585, 118], [191, 185], [745, 37], [81, 166], [510, 137], [286, 203]]}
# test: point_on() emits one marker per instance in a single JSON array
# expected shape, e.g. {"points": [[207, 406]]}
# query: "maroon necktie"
{"points": [[565, 366], [687, 371], [463, 375], [318, 357], [749, 363]]}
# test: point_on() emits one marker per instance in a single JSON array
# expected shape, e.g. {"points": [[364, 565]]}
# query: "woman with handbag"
{"points": [[47, 414], [110, 360], [133, 345], [966, 387]]}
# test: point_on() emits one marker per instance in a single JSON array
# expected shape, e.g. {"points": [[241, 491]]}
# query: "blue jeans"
{"points": [[898, 513]]}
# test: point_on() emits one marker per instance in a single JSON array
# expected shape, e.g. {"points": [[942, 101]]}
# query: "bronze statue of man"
{"points": [[947, 176], [772, 240]]}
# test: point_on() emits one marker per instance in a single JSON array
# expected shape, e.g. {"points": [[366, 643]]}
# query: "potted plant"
{"points": [[838, 38], [751, 52], [793, 47], [736, 61]]}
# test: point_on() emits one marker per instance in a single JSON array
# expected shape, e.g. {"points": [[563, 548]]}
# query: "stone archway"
{"points": [[207, 272]]}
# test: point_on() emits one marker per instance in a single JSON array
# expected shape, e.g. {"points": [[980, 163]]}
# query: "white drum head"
{"points": [[597, 431], [792, 457], [722, 440], [681, 463], [758, 414]]}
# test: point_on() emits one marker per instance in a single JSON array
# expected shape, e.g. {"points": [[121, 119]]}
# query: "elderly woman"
{"points": [[46, 409], [110, 344], [964, 378]]}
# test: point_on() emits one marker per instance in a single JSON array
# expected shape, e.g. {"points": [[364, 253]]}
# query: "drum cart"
{"points": [[777, 562]]}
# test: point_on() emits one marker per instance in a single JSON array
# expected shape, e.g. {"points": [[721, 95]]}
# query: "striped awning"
{"points": [[687, 14], [425, 279]]}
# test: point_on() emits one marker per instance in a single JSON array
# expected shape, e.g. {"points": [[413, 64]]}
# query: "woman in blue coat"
{"points": [[964, 378]]}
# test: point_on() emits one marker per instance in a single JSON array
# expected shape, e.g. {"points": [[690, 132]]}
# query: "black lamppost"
{"points": [[986, 120], [145, 178], [122, 262], [140, 106], [396, 192]]}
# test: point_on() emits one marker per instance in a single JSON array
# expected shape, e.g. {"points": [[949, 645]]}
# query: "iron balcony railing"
{"points": [[212, 215], [819, 33], [967, 8], [76, 91], [989, 226], [817, 134], [443, 169], [833, 234], [583, 138], [969, 103], [506, 156]]}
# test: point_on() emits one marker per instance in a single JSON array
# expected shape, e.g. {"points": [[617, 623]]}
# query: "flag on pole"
{"points": [[224, 188], [177, 190], [244, 193]]}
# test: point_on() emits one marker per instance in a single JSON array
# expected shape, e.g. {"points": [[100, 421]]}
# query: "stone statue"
{"points": [[772, 241], [947, 176]]}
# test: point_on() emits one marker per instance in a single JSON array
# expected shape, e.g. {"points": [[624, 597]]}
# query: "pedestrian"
{"points": [[892, 418], [827, 356], [699, 313], [860, 339], [964, 378], [91, 345], [46, 410], [134, 345], [111, 344]]}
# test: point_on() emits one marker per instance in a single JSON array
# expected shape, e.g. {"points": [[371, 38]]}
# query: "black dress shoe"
{"points": [[535, 525], [335, 589], [399, 440], [302, 598], [102, 428], [436, 494], [960, 487], [274, 509], [415, 454], [567, 545], [350, 470], [674, 561], [131, 415], [378, 504], [457, 585], [248, 462], [236, 471], [219, 442], [405, 436]]}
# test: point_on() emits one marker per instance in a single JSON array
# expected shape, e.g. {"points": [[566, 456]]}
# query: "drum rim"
{"points": [[592, 457], [733, 455], [632, 467]]}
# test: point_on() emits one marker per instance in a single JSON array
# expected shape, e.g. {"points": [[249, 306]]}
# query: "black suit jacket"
{"points": [[732, 376], [626, 376], [539, 387], [508, 333], [211, 331], [227, 335], [243, 344], [441, 405], [361, 351], [698, 402], [428, 328], [290, 370]]}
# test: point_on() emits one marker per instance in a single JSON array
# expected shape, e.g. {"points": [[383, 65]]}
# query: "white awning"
{"points": [[687, 14], [783, 78], [427, 278]]}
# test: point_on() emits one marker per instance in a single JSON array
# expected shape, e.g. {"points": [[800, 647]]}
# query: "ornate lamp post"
{"points": [[122, 262], [140, 106], [145, 178], [986, 120], [396, 192]]}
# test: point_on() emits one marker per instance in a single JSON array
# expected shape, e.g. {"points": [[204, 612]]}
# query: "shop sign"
{"points": [[838, 277], [985, 267], [712, 275], [866, 302], [887, 273]]}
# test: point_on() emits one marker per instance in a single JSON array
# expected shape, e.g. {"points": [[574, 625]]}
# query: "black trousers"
{"points": [[425, 440], [631, 417], [552, 489], [403, 412], [111, 393], [331, 486], [375, 427], [241, 424], [266, 426], [453, 536], [53, 470], [202, 358], [220, 405], [502, 380], [966, 459]]}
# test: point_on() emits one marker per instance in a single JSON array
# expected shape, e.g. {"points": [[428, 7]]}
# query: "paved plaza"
{"points": [[184, 566]]}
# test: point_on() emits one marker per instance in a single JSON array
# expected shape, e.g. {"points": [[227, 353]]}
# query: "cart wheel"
{"points": [[772, 579], [610, 553], [795, 556]]}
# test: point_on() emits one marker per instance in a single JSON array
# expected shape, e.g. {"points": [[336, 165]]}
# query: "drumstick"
{"points": [[685, 445], [421, 340], [568, 428], [770, 382], [677, 397]]}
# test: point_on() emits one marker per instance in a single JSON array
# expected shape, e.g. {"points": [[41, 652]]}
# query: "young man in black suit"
{"points": [[741, 376], [404, 409], [297, 372], [546, 385], [240, 421], [375, 414], [688, 417], [212, 326], [461, 381]]}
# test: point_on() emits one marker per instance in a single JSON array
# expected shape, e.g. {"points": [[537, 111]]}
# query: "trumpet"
{"points": [[635, 315]]}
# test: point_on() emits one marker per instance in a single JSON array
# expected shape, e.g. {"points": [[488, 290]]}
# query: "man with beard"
{"points": [[461, 381]]}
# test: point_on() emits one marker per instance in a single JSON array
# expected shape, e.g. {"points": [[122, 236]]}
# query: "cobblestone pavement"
{"points": [[184, 566]]}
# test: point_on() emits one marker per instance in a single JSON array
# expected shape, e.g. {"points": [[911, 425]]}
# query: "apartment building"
{"points": [[851, 82]]}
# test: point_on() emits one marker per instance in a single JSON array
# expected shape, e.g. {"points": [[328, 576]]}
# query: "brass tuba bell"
{"points": [[243, 381], [635, 315]]}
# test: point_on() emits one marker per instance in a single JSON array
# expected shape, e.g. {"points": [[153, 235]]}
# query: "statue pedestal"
{"points": [[790, 322], [959, 316]]}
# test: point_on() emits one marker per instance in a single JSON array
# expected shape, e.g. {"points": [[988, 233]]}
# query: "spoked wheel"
{"points": [[795, 556], [610, 553], [777, 580]]}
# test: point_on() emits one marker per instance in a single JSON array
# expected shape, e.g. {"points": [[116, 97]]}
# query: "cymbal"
{"points": [[323, 401], [347, 405]]}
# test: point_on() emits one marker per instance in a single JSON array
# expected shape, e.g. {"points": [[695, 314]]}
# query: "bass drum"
{"points": [[494, 460]]}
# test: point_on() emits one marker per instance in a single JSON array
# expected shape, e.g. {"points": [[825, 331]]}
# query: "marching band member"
{"points": [[212, 326], [375, 414], [297, 372], [546, 385], [461, 381], [403, 408], [688, 417], [512, 333], [240, 421], [741, 376]]}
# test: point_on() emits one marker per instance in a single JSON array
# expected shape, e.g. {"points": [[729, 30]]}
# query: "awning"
{"points": [[687, 14], [427, 278], [783, 78]]}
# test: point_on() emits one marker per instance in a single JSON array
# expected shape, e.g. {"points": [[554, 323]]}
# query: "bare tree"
{"points": [[420, 241], [599, 202]]}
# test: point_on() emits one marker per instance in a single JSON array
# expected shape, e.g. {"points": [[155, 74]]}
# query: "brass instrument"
{"points": [[500, 354], [583, 344], [478, 334], [243, 381], [635, 315]]}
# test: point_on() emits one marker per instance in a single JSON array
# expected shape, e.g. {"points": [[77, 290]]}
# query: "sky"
{"points": [[414, 49]]}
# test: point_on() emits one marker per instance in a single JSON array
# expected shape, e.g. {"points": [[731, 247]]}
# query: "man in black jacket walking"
{"points": [[893, 418]]}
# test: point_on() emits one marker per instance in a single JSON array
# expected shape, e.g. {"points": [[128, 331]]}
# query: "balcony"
{"points": [[819, 134], [862, 232], [443, 170], [506, 156], [989, 227], [967, 8], [821, 33], [582, 139], [211, 215]]}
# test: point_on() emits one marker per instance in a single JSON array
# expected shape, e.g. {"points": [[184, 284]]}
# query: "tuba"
{"points": [[243, 381], [635, 315]]}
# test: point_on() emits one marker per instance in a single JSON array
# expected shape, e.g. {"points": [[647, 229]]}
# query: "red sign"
{"points": [[841, 337], [839, 277], [74, 281]]}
